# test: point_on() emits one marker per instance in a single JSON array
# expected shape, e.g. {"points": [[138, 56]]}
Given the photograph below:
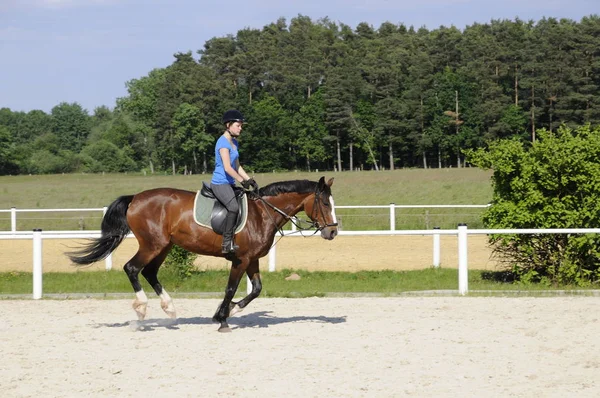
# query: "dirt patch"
{"points": [[344, 253], [312, 347]]}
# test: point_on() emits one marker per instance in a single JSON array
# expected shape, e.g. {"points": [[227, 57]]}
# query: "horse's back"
{"points": [[162, 199], [175, 193]]}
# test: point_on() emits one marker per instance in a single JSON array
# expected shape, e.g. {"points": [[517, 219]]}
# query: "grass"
{"points": [[402, 187], [274, 283]]}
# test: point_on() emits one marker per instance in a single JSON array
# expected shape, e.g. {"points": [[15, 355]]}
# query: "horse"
{"points": [[162, 217]]}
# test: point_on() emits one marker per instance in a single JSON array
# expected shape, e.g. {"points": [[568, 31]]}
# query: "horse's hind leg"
{"points": [[254, 275], [132, 268], [150, 272]]}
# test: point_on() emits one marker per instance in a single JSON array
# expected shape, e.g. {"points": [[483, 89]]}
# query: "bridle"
{"points": [[312, 223], [318, 206]]}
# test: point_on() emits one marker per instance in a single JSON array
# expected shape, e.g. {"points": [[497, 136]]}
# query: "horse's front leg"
{"points": [[253, 273], [237, 270]]}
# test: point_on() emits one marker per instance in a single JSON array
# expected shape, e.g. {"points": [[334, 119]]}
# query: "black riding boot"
{"points": [[228, 245]]}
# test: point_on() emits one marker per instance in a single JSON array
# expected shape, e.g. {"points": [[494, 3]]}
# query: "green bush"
{"points": [[180, 262], [552, 183], [106, 156], [46, 162]]}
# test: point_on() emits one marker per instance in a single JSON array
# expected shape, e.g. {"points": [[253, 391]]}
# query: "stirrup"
{"points": [[229, 248]]}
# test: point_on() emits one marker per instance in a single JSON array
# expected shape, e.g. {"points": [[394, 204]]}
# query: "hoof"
{"points": [[169, 309], [140, 310], [224, 328], [235, 309]]}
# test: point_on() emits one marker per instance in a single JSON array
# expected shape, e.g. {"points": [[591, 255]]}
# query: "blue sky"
{"points": [[84, 51]]}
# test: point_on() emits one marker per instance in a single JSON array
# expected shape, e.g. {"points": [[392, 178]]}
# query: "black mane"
{"points": [[299, 186]]}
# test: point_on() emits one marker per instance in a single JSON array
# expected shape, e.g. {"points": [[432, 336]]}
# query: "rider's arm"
{"points": [[224, 152], [242, 172]]}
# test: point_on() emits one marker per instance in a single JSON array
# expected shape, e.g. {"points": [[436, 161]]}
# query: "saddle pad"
{"points": [[203, 208]]}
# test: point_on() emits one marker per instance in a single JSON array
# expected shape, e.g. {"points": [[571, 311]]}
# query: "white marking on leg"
{"points": [[167, 304], [332, 209], [140, 304]]}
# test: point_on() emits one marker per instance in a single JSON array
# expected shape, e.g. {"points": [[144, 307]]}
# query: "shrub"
{"points": [[552, 183], [107, 157], [181, 262]]}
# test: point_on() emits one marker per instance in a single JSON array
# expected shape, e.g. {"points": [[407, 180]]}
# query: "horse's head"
{"points": [[321, 209]]}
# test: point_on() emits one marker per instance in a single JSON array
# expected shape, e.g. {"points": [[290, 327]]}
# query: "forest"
{"points": [[318, 94]]}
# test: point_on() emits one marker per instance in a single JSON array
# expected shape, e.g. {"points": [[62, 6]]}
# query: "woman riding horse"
{"points": [[227, 171], [163, 217]]}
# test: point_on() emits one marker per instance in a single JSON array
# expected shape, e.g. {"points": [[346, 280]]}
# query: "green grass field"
{"points": [[469, 186], [212, 283]]}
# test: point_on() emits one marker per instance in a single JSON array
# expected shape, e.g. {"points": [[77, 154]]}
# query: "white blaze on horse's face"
{"points": [[332, 209], [327, 210]]}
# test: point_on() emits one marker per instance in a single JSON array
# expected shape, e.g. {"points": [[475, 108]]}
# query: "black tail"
{"points": [[114, 229]]}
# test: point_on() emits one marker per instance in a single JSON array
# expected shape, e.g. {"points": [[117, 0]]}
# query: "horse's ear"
{"points": [[321, 183], [330, 182]]}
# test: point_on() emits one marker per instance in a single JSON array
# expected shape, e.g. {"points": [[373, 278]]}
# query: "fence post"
{"points": [[463, 276], [13, 219], [272, 258], [392, 216], [37, 264], [108, 259], [294, 224], [436, 249]]}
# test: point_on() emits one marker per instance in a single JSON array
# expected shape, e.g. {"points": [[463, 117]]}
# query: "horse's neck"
{"points": [[288, 203]]}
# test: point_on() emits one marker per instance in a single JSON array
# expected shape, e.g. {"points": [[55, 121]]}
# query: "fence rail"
{"points": [[392, 207], [462, 232]]}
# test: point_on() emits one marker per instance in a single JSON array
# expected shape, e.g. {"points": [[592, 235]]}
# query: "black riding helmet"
{"points": [[233, 115]]}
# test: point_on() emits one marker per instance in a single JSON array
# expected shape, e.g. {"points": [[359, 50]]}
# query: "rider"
{"points": [[227, 171]]}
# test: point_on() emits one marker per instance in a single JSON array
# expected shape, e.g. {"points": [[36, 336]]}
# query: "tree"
{"points": [[451, 111], [142, 104], [265, 144], [71, 123], [104, 156], [362, 131], [418, 84], [309, 125], [7, 148], [190, 135]]}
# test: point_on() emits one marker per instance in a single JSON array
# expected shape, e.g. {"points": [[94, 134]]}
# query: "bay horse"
{"points": [[162, 217]]}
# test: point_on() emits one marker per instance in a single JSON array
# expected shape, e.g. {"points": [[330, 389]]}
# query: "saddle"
{"points": [[210, 213]]}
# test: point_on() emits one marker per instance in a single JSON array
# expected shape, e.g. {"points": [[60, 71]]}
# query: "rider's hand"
{"points": [[250, 183], [253, 184]]}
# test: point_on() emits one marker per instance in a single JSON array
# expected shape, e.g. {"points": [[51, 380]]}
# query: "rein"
{"points": [[294, 220], [297, 221]]}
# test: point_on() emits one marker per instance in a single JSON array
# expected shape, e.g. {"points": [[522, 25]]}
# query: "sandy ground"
{"points": [[312, 347], [344, 253]]}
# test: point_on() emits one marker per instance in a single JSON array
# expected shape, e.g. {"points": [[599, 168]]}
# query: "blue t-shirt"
{"points": [[219, 175]]}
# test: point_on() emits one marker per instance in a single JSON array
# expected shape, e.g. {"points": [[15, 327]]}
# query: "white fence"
{"points": [[462, 232], [392, 211], [37, 235]]}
